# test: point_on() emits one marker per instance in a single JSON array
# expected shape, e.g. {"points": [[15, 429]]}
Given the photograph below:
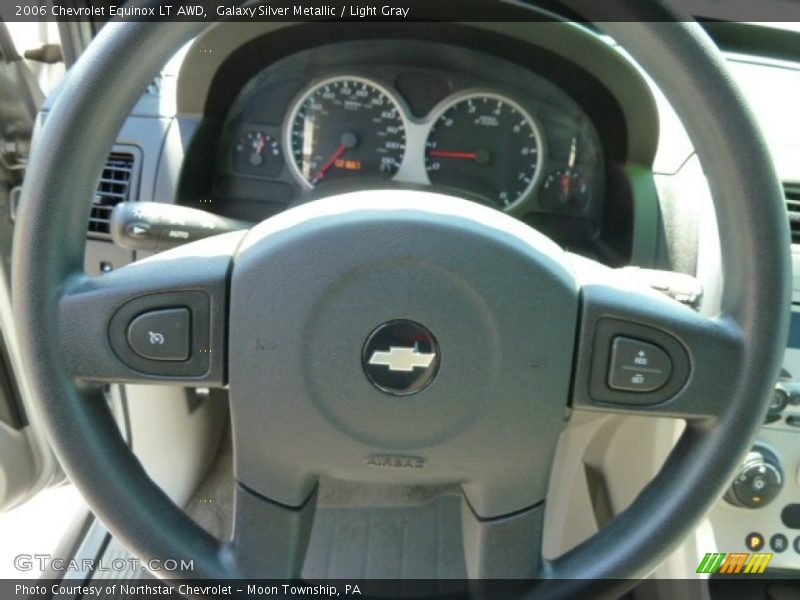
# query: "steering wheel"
{"points": [[396, 336]]}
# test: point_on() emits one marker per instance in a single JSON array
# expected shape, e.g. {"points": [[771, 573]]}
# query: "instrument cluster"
{"points": [[524, 149], [477, 141]]}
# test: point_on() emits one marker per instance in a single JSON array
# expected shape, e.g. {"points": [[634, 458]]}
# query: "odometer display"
{"points": [[345, 127], [486, 145]]}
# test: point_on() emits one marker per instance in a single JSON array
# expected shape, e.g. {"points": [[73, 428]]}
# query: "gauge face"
{"points": [[565, 190], [345, 127], [487, 145], [257, 153]]}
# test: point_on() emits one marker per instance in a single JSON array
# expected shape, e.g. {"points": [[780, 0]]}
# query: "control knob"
{"points": [[758, 481]]}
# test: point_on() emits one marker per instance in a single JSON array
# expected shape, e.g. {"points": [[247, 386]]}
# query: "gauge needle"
{"points": [[453, 154], [326, 167], [565, 183], [257, 157], [480, 156]]}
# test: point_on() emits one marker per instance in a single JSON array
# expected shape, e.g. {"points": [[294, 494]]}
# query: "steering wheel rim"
{"points": [[48, 251]]}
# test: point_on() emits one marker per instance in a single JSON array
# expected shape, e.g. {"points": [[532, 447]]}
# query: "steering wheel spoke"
{"points": [[419, 532], [158, 320], [640, 351], [270, 539], [507, 547]]}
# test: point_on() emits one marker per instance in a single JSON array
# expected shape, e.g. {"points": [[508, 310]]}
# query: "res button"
{"points": [[637, 366], [161, 334]]}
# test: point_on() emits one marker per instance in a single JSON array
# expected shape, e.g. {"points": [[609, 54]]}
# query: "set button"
{"points": [[637, 366]]}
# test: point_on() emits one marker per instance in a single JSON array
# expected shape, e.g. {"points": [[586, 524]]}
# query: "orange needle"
{"points": [[326, 167], [453, 154]]}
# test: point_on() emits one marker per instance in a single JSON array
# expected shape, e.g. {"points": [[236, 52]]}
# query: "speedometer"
{"points": [[487, 145], [344, 127]]}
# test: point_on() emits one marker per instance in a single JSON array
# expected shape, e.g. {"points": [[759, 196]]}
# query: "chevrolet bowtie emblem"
{"points": [[402, 358]]}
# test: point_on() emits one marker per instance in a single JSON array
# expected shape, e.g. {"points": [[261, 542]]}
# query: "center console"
{"points": [[761, 510]]}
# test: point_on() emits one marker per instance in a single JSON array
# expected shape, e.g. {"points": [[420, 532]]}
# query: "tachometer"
{"points": [[487, 145], [344, 127]]}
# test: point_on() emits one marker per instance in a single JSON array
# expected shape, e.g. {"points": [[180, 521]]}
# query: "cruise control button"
{"points": [[161, 334], [637, 366]]}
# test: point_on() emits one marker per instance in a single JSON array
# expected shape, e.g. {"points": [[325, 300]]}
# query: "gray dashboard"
{"points": [[581, 93], [239, 77], [577, 86]]}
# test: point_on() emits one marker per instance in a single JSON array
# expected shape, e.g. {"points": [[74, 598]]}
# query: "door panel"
{"points": [[26, 462]]}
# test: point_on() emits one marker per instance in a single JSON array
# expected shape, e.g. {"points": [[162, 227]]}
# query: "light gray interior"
{"points": [[327, 271]]}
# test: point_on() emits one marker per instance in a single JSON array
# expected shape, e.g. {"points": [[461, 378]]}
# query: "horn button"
{"points": [[401, 357], [398, 336]]}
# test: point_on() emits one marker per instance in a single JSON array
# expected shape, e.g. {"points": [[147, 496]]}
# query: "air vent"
{"points": [[114, 187], [792, 193]]}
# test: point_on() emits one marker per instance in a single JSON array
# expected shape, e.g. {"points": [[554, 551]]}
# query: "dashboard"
{"points": [[508, 139], [310, 110]]}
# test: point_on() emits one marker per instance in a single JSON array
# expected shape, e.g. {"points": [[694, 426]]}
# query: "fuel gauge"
{"points": [[257, 153], [565, 190]]}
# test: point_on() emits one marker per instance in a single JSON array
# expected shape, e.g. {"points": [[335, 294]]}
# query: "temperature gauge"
{"points": [[257, 153]]}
